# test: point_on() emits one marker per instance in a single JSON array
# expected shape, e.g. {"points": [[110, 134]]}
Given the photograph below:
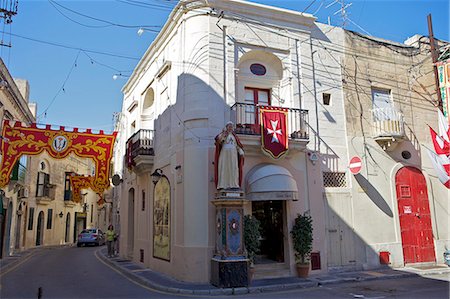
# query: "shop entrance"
{"points": [[270, 215]]}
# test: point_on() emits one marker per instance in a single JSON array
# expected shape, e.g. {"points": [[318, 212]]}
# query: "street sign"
{"points": [[355, 165]]}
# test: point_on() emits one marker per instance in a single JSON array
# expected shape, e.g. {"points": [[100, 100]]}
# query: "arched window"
{"points": [[149, 99]]}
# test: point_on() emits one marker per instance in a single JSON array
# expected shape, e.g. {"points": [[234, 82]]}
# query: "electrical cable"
{"points": [[147, 27], [74, 65], [71, 47]]}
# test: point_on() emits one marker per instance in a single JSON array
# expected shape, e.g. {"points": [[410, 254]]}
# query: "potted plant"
{"points": [[252, 238], [302, 237]]}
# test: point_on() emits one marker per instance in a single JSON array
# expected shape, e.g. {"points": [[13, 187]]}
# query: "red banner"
{"points": [[274, 135], [79, 182], [19, 140]]}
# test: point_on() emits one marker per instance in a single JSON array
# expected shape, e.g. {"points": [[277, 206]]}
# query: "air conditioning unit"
{"points": [[23, 192]]}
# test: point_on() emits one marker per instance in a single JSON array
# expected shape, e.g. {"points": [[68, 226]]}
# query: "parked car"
{"points": [[92, 236], [447, 257]]}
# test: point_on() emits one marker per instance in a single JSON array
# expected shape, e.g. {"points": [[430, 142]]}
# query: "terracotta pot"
{"points": [[251, 272], [302, 270]]}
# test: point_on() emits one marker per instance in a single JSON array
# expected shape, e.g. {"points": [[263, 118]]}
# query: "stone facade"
{"points": [[197, 75]]}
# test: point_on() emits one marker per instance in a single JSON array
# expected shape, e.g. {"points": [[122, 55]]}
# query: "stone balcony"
{"points": [[247, 120], [388, 127], [140, 151]]}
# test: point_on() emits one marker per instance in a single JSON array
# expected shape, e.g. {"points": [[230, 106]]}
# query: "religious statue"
{"points": [[229, 159]]}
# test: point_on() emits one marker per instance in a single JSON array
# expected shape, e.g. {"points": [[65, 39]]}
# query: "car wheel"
{"points": [[78, 245]]}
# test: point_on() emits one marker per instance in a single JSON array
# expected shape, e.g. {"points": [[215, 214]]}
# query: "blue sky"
{"points": [[75, 87]]}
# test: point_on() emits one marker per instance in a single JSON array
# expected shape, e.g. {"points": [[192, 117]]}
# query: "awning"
{"points": [[271, 182]]}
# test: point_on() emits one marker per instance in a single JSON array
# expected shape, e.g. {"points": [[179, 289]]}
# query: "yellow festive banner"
{"points": [[18, 140]]}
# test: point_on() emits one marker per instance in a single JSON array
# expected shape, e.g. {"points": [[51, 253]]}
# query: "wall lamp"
{"points": [[156, 175], [61, 215]]}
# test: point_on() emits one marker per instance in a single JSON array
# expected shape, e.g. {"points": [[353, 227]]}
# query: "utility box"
{"points": [[385, 257]]}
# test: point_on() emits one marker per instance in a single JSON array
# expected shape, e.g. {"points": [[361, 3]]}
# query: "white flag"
{"points": [[440, 163]]}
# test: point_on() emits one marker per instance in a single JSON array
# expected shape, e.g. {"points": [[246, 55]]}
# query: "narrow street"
{"points": [[72, 272], [69, 272]]}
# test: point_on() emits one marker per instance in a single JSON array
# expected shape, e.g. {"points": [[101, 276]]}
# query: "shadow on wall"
{"points": [[374, 195]]}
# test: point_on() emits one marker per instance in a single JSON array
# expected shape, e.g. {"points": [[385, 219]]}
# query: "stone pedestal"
{"points": [[229, 264]]}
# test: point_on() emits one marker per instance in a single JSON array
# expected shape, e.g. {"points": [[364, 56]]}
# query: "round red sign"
{"points": [[355, 165]]}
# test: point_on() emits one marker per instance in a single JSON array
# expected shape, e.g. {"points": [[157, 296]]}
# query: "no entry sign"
{"points": [[355, 165]]}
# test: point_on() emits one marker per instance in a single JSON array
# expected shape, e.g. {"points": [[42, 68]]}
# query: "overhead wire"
{"points": [[147, 27], [75, 21], [145, 5], [71, 47], [62, 88]]}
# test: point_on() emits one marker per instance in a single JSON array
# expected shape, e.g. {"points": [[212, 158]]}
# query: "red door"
{"points": [[415, 218]]}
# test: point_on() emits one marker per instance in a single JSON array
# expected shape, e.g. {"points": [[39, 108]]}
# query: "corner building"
{"points": [[216, 61]]}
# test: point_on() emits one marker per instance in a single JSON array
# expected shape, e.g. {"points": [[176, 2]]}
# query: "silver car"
{"points": [[92, 236]]}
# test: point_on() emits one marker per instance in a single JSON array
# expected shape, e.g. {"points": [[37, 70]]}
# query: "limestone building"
{"points": [[218, 61]]}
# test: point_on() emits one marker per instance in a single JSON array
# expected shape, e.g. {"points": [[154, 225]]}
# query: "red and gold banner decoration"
{"points": [[79, 182], [19, 140], [274, 135]]}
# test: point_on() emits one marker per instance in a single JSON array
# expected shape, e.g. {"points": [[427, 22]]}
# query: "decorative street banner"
{"points": [[274, 135], [79, 182], [444, 86], [19, 140]]}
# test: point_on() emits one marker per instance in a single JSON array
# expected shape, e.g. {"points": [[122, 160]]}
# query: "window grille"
{"points": [[334, 179]]}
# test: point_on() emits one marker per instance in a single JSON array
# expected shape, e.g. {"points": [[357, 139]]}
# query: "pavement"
{"points": [[161, 282]]}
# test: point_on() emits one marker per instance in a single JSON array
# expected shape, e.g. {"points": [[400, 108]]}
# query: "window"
{"points": [[149, 99], [143, 200], [334, 179], [49, 218], [92, 213], [68, 187], [20, 170], [253, 97], [382, 104], [42, 186], [326, 98], [30, 219]]}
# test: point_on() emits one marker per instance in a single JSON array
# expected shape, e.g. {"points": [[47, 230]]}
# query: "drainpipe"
{"points": [[224, 37], [315, 95]]}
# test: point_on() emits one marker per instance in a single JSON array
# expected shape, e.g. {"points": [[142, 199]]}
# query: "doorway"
{"points": [[415, 217], [130, 242], [40, 229], [270, 216], [67, 234]]}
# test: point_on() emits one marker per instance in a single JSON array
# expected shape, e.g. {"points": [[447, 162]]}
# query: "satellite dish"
{"points": [[116, 180]]}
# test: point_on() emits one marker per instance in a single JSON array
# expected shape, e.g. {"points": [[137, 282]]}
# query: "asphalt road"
{"points": [[72, 272], [69, 272]]}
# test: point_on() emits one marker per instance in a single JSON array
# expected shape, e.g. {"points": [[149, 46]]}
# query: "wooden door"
{"points": [[415, 217]]}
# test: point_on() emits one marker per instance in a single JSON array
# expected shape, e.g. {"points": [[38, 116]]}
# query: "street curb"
{"points": [[310, 283]]}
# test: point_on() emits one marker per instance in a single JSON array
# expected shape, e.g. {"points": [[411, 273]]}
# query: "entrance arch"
{"points": [[130, 242], [67, 234], [414, 216], [9, 215], [40, 229], [268, 186]]}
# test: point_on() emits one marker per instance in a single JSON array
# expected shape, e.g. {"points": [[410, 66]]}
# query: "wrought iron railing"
{"points": [[140, 143], [246, 118], [387, 122]]}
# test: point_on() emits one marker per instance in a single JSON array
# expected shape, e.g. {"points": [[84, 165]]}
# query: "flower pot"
{"points": [[251, 273], [302, 270]]}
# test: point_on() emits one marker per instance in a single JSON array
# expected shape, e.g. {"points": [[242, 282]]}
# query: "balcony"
{"points": [[387, 127], [140, 151], [246, 117]]}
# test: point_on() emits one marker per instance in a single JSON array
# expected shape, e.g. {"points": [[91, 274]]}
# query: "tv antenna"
{"points": [[342, 10]]}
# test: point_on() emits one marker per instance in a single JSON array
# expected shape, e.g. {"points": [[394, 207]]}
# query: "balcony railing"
{"points": [[141, 143], [246, 118], [387, 122]]}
